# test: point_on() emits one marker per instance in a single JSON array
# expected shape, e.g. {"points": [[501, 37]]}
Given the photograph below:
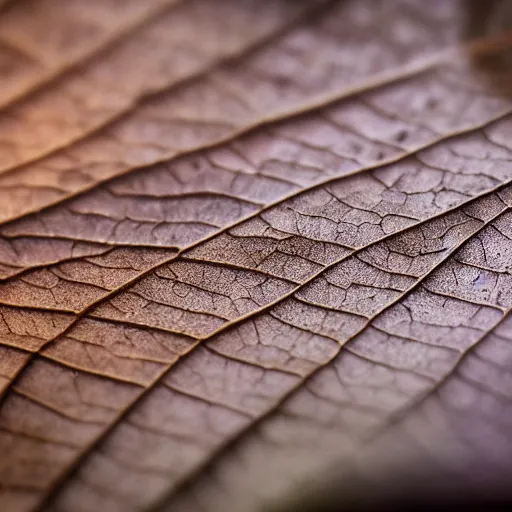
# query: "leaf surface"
{"points": [[242, 241]]}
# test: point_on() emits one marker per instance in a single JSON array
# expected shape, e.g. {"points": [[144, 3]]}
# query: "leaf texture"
{"points": [[241, 241]]}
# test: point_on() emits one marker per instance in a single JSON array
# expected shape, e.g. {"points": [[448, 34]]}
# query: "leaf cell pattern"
{"points": [[218, 261]]}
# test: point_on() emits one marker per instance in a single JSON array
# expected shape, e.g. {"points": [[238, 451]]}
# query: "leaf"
{"points": [[244, 241]]}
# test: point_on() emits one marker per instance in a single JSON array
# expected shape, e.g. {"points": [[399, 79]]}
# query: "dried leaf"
{"points": [[242, 241]]}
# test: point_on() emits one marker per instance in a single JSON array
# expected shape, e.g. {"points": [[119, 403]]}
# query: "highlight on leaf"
{"points": [[253, 252]]}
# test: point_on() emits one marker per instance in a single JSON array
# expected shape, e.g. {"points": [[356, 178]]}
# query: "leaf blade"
{"points": [[255, 288]]}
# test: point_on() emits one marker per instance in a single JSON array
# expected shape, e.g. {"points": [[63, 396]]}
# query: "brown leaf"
{"points": [[242, 241]]}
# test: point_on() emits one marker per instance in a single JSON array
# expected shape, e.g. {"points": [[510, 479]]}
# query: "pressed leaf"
{"points": [[243, 242]]}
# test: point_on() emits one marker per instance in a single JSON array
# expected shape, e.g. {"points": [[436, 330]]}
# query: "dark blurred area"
{"points": [[397, 495], [490, 18], [487, 17], [403, 484]]}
